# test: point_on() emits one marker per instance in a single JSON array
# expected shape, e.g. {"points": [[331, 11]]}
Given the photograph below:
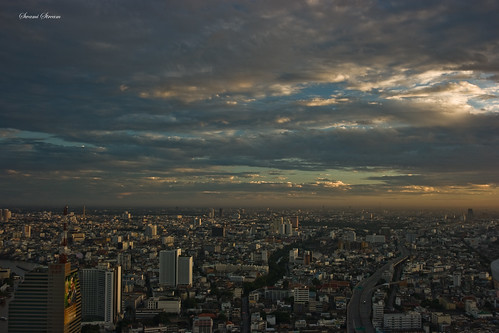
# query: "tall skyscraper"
{"points": [[101, 294], [168, 267], [185, 271], [48, 300]]}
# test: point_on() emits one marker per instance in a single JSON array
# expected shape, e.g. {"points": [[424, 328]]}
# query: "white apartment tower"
{"points": [[101, 294], [185, 271]]}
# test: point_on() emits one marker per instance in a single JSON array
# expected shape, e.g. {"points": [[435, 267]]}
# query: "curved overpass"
{"points": [[359, 308]]}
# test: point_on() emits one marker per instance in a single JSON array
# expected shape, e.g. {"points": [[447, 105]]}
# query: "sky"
{"points": [[249, 103]]}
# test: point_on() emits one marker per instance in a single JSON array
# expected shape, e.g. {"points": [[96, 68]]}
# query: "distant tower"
{"points": [[470, 214], [84, 212]]}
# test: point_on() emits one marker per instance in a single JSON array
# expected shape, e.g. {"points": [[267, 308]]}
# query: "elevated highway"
{"points": [[359, 308]]}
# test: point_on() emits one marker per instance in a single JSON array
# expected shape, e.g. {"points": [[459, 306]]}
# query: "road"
{"points": [[360, 307]]}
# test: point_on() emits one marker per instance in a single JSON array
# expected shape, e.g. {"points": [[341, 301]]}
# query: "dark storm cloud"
{"points": [[160, 87]]}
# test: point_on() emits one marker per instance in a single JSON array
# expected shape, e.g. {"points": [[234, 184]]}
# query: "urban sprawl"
{"points": [[248, 270]]}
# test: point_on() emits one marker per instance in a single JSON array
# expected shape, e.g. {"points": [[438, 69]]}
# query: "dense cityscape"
{"points": [[249, 270], [249, 166]]}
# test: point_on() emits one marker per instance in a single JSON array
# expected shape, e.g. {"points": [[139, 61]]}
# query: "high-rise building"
{"points": [[101, 294], [48, 300], [307, 257], [185, 271], [175, 270], [218, 231], [293, 254], [27, 231], [5, 215], [151, 231], [168, 267], [125, 260], [275, 227]]}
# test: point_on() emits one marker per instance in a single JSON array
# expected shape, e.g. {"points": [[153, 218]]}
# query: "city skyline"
{"points": [[249, 103]]}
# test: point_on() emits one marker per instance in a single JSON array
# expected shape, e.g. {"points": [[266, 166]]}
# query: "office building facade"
{"points": [[175, 270], [185, 265], [101, 295], [168, 267], [48, 300]]}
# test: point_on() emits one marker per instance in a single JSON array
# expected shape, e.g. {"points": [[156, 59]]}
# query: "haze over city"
{"points": [[249, 103]]}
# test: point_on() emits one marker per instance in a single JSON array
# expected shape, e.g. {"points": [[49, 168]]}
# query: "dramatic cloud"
{"points": [[249, 102]]}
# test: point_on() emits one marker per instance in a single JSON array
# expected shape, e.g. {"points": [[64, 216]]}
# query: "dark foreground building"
{"points": [[48, 300]]}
